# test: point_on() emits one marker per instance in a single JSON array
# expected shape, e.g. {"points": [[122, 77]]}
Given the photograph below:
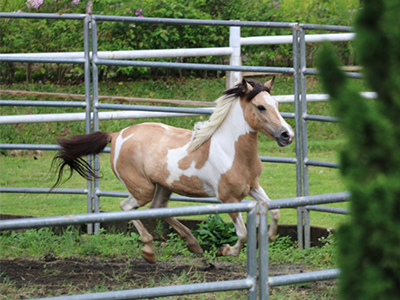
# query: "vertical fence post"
{"points": [[86, 46], [298, 135], [263, 251], [95, 83], [252, 251], [304, 133], [235, 60]]}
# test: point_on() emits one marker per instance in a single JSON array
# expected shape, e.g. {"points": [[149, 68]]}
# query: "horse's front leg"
{"points": [[241, 232], [260, 195]]}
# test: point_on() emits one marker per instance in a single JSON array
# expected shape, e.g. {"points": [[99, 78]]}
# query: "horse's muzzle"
{"points": [[284, 138]]}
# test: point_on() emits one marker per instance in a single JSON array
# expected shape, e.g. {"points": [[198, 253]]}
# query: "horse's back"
{"points": [[147, 142]]}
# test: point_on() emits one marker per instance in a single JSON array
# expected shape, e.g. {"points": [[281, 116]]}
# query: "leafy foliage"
{"points": [[214, 232], [67, 35], [368, 253]]}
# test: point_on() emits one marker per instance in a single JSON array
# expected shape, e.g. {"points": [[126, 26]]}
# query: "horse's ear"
{"points": [[246, 86], [270, 83]]}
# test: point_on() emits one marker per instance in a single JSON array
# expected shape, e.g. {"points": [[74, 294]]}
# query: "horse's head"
{"points": [[261, 111]]}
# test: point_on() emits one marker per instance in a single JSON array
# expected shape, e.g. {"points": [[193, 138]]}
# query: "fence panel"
{"points": [[85, 60]]}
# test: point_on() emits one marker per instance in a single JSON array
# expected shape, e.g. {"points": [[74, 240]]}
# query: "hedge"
{"points": [[31, 35]]}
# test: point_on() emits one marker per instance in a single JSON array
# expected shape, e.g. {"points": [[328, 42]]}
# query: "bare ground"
{"points": [[51, 276]]}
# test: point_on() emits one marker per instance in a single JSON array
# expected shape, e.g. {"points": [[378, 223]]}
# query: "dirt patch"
{"points": [[62, 276], [56, 272]]}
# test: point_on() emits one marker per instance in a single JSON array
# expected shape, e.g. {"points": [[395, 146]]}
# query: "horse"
{"points": [[217, 159]]}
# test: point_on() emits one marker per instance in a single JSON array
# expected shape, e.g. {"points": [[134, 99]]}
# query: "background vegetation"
{"points": [[63, 36]]}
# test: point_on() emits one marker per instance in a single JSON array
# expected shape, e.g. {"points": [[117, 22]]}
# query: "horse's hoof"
{"points": [[148, 254], [149, 257], [271, 237], [196, 249], [224, 250]]}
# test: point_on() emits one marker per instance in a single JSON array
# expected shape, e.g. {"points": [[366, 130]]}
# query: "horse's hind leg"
{"points": [[160, 199], [185, 233], [148, 248]]}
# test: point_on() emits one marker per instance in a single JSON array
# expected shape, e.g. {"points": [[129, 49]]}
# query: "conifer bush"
{"points": [[369, 244]]}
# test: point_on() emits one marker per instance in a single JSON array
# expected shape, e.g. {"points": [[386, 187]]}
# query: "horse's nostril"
{"points": [[285, 136]]}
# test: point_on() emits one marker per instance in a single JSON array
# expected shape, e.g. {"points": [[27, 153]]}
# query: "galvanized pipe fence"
{"points": [[304, 203]]}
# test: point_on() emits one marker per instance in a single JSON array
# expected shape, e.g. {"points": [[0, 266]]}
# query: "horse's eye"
{"points": [[261, 108]]}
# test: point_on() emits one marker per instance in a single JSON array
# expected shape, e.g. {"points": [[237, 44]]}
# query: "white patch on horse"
{"points": [[274, 104], [165, 127], [270, 101], [173, 158], [221, 153], [118, 145]]}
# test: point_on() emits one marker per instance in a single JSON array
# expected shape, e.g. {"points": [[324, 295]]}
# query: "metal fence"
{"points": [[303, 202]]}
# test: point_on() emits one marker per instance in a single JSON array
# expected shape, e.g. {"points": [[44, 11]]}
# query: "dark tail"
{"points": [[71, 153]]}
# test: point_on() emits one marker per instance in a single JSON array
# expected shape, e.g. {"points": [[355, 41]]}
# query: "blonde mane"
{"points": [[202, 131]]}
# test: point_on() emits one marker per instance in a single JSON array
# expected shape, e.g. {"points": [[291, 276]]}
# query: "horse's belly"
{"points": [[191, 186], [190, 182]]}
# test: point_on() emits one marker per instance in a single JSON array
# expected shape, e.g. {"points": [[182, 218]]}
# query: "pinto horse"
{"points": [[217, 159]]}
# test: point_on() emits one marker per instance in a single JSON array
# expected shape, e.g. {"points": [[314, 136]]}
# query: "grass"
{"points": [[37, 244], [44, 242]]}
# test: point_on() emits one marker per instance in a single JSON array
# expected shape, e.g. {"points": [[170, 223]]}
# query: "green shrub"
{"points": [[214, 232], [369, 255]]}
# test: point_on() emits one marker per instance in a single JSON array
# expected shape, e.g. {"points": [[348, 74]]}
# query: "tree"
{"points": [[369, 244]]}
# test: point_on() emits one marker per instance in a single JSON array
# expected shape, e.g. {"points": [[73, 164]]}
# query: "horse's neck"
{"points": [[234, 130]]}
